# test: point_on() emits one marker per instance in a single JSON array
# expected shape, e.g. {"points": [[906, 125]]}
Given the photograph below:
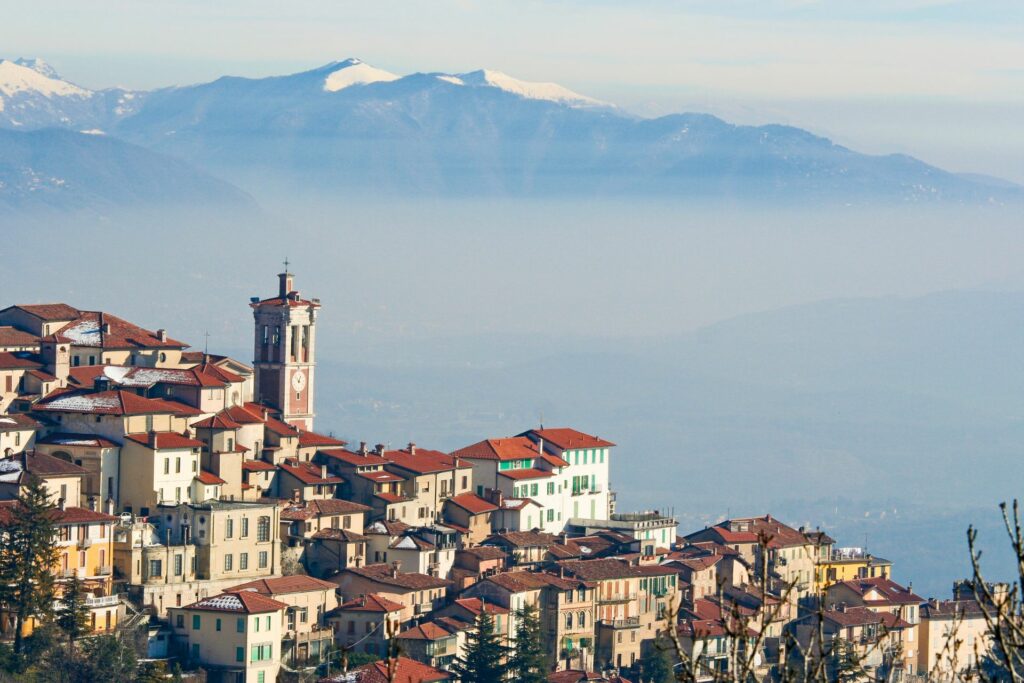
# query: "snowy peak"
{"points": [[551, 92], [354, 72], [18, 78], [38, 66]]}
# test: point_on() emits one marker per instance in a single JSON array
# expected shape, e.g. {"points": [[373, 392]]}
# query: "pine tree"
{"points": [[484, 655], [529, 664], [656, 664], [73, 616], [27, 560]]}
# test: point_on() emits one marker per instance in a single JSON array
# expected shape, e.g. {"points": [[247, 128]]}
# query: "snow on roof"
{"points": [[85, 402], [354, 72], [227, 601], [6, 420], [407, 543], [84, 333], [16, 78]]}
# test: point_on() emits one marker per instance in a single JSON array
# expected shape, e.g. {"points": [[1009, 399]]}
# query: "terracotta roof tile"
{"points": [[566, 438]]}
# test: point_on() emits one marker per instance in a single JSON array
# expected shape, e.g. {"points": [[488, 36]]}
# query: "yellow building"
{"points": [[85, 548], [846, 564]]}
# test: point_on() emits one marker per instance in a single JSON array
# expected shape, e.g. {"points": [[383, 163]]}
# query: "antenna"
{"points": [[542, 419], [206, 346]]}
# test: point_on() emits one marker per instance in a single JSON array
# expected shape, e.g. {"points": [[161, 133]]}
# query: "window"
{"points": [[551, 514], [551, 488], [177, 465], [465, 482], [240, 625], [534, 489], [245, 527], [178, 568], [228, 561], [263, 529], [581, 620], [156, 568], [263, 559], [217, 627], [346, 522], [196, 622], [243, 561], [351, 627], [167, 465], [195, 651], [229, 528], [568, 620], [261, 677], [179, 621], [195, 465], [239, 654]]}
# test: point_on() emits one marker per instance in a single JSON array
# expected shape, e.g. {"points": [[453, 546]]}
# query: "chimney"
{"points": [[152, 438], [395, 566], [285, 282], [105, 328], [92, 503], [362, 448], [61, 504], [161, 334], [323, 471], [379, 449], [412, 448], [540, 446], [296, 495], [109, 505]]}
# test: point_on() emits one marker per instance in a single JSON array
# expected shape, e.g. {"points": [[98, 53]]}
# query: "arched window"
{"points": [[581, 620], [568, 620]]}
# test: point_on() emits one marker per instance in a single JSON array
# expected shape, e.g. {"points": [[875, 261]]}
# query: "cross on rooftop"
{"points": [[286, 262]]}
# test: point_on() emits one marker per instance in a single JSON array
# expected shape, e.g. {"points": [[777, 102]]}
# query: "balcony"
{"points": [[68, 573], [423, 608], [616, 598], [628, 622], [85, 543], [102, 601], [104, 570]]}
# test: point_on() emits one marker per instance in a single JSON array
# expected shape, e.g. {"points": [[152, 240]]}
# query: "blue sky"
{"points": [[939, 79]]}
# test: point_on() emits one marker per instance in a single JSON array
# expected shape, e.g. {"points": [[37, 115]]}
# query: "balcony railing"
{"points": [[628, 622], [68, 573], [422, 608], [616, 597], [102, 601], [85, 543], [104, 570]]}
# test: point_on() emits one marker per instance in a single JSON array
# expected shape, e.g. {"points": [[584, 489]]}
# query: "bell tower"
{"points": [[284, 357]]}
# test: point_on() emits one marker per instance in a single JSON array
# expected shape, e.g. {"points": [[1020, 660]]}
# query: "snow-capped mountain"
{"points": [[350, 126], [33, 95]]}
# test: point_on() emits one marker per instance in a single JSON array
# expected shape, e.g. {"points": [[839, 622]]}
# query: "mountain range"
{"points": [[348, 127]]}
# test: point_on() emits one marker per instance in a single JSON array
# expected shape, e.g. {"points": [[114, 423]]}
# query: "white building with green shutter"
{"points": [[236, 636], [565, 472]]}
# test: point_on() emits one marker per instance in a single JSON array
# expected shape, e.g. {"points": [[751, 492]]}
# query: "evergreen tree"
{"points": [[111, 659], [484, 655], [73, 616], [656, 664], [529, 664], [27, 560]]}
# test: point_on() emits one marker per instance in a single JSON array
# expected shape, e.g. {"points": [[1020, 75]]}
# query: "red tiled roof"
{"points": [[103, 330], [424, 461], [241, 601], [581, 676], [111, 403], [281, 428], [219, 421], [322, 508], [425, 631], [599, 569], [250, 413], [17, 422], [351, 458], [314, 439], [566, 438], [164, 440], [526, 474], [476, 605], [522, 539], [405, 671], [48, 312], [12, 336], [257, 466], [209, 478], [381, 573], [520, 581], [472, 503], [16, 360], [391, 497], [371, 602], [343, 535], [509, 448], [890, 591], [309, 473], [76, 515], [298, 583], [70, 440]]}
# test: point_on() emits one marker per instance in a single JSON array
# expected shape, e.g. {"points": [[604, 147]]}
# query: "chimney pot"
{"points": [[362, 448], [379, 449], [161, 334], [110, 506], [61, 504], [323, 471], [92, 503], [412, 448]]}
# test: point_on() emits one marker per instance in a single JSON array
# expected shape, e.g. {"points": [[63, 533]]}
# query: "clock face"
{"points": [[299, 380]]}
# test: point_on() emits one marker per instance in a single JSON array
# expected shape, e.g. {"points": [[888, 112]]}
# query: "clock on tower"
{"points": [[284, 357]]}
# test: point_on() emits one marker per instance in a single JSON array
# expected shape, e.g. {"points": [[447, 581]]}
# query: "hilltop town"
{"points": [[199, 509]]}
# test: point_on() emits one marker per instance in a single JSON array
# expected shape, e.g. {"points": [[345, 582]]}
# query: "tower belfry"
{"points": [[284, 356]]}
